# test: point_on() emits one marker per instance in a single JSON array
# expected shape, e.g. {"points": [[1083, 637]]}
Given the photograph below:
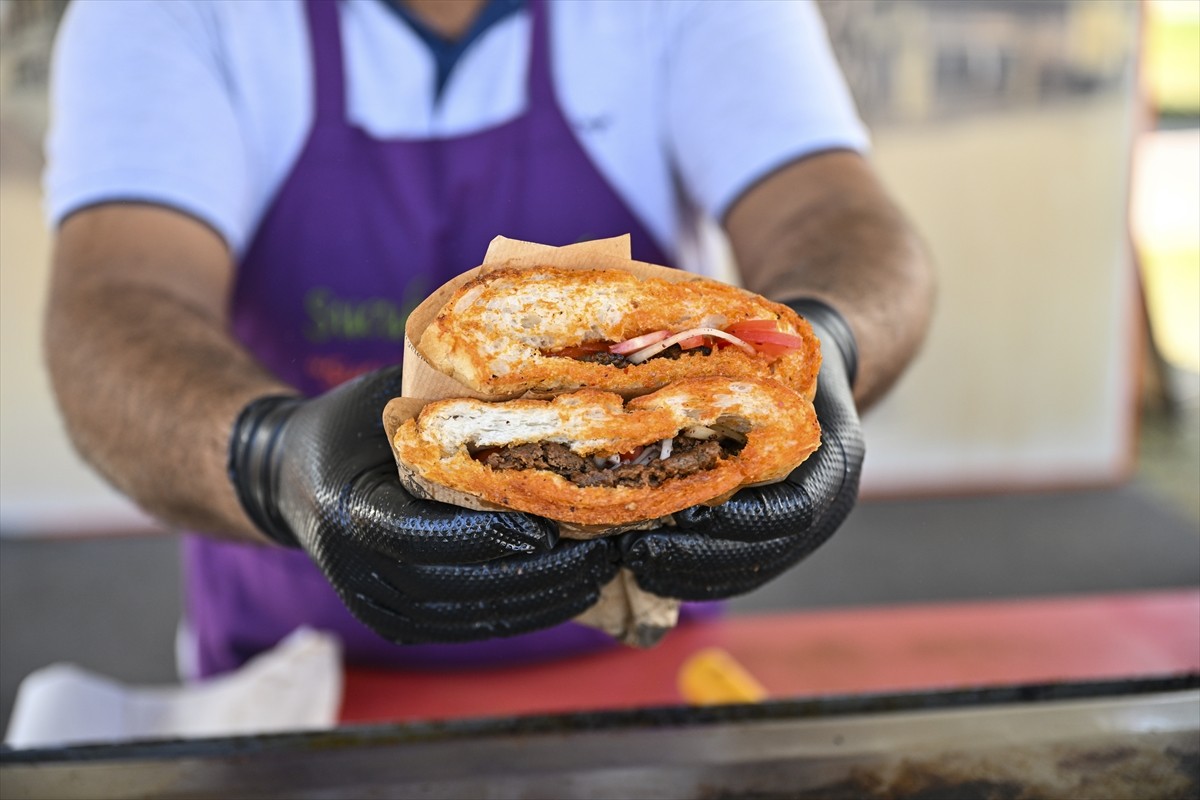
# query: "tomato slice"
{"points": [[764, 335], [738, 328], [787, 340], [691, 342], [772, 350], [632, 454]]}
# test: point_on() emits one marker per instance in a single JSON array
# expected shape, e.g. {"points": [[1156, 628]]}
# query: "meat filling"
{"points": [[604, 357], [621, 362], [688, 456]]}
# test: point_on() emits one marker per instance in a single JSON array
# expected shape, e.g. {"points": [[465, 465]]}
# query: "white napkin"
{"points": [[295, 686]]}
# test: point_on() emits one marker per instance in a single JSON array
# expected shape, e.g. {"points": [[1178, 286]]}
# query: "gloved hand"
{"points": [[733, 548], [319, 474]]}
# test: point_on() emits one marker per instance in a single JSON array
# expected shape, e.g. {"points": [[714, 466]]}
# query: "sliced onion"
{"points": [[658, 347], [645, 457], [704, 432], [665, 450], [638, 342], [729, 433]]}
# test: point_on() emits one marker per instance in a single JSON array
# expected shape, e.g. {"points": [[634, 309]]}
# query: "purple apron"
{"points": [[360, 232]]}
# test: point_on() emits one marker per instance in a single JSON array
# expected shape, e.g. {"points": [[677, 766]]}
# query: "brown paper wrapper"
{"points": [[624, 610]]}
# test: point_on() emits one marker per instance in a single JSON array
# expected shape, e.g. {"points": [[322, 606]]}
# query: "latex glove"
{"points": [[733, 548], [319, 474]]}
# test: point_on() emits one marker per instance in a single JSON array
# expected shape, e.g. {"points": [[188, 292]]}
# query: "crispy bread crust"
{"points": [[492, 332], [432, 448]]}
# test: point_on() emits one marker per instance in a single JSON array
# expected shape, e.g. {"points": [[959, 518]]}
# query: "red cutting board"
{"points": [[812, 653]]}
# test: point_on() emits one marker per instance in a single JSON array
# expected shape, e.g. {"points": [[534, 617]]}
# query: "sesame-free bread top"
{"points": [[498, 332]]}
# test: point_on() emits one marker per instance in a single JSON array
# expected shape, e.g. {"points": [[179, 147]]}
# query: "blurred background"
{"points": [[1046, 442]]}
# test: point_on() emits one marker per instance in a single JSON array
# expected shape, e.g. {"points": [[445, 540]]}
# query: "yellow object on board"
{"points": [[712, 677]]}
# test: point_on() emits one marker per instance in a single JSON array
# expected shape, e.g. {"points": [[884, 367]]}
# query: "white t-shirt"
{"points": [[204, 105]]}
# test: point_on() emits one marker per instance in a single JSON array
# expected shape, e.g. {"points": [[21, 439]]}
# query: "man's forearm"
{"points": [[824, 228], [149, 383]]}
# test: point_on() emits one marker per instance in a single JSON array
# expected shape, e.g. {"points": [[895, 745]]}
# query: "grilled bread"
{"points": [[597, 463], [548, 330]]}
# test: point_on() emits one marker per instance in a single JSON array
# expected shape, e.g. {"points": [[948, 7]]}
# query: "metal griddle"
{"points": [[1126, 739]]}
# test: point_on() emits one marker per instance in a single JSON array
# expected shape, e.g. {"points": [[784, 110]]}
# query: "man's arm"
{"points": [[146, 373], [819, 228], [151, 384], [824, 227]]}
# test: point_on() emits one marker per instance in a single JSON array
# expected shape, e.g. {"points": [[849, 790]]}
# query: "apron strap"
{"points": [[325, 42], [541, 85]]}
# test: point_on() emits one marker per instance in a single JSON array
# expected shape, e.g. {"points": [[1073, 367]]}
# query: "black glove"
{"points": [[733, 548], [319, 474]]}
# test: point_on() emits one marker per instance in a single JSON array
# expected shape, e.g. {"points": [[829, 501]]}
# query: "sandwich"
{"points": [[598, 463], [546, 330]]}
